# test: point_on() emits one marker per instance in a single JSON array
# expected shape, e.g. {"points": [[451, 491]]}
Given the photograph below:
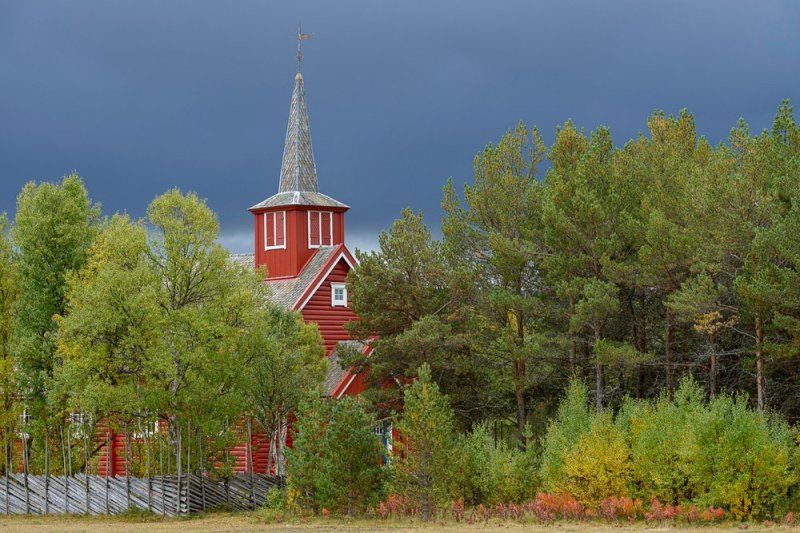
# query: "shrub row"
{"points": [[549, 507], [692, 459], [684, 451]]}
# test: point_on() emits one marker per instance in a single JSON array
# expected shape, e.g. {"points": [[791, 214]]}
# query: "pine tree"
{"points": [[424, 466]]}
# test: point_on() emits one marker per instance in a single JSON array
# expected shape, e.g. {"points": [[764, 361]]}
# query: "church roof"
{"points": [[298, 170], [299, 198], [336, 374], [287, 291], [298, 183]]}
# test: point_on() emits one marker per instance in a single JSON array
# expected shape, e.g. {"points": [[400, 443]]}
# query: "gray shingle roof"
{"points": [[244, 260], [299, 198], [298, 183], [285, 292], [335, 371], [298, 169]]}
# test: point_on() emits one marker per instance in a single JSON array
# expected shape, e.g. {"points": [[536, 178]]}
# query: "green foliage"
{"points": [[682, 451], [406, 306], [335, 461], [499, 473], [571, 422], [53, 229], [740, 459], [9, 292], [598, 465], [424, 467], [659, 436]]}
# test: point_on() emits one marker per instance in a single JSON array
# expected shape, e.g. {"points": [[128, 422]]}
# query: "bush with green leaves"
{"points": [[598, 466], [498, 473], [741, 459], [335, 461], [572, 420], [679, 451], [659, 434], [427, 464]]}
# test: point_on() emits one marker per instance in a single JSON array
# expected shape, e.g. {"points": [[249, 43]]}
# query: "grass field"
{"points": [[252, 522]]}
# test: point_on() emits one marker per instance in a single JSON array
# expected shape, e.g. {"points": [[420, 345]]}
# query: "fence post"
{"points": [[188, 467], [46, 470], [85, 439], [108, 464], [64, 467], [202, 468], [147, 462], [252, 466], [161, 468], [25, 472], [9, 467], [178, 466], [128, 455]]}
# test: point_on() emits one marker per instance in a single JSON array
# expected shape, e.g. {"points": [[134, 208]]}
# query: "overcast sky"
{"points": [[140, 96]]}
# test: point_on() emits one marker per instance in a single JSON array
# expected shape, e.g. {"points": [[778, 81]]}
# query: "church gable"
{"points": [[320, 307]]}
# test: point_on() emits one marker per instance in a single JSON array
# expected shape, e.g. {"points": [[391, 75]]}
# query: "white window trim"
{"points": [[330, 227], [274, 231], [334, 302]]}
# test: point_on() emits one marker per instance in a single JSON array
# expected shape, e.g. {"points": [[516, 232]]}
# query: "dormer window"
{"points": [[338, 295], [320, 228], [275, 230]]}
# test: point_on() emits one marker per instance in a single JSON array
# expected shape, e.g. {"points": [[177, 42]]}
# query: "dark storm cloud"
{"points": [[140, 96]]}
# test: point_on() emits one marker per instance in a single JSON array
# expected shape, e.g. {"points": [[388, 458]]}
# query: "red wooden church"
{"points": [[299, 237]]}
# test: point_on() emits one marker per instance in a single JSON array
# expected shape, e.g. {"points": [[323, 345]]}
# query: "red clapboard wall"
{"points": [[330, 320]]}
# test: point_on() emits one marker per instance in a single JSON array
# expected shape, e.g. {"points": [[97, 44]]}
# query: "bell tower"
{"points": [[293, 224]]}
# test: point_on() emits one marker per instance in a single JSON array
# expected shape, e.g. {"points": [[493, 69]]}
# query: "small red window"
{"points": [[280, 238], [327, 227], [313, 228], [274, 230]]}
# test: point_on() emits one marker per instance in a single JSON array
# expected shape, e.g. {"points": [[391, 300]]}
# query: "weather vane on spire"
{"points": [[300, 38]]}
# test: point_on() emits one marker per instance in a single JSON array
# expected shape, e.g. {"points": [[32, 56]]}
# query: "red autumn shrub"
{"points": [[789, 519], [457, 508], [383, 510], [395, 506], [548, 507], [484, 513], [622, 508]]}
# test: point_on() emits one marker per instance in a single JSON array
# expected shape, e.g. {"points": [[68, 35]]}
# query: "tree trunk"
{"points": [[760, 385], [668, 355], [599, 384], [519, 396], [519, 387], [712, 372]]}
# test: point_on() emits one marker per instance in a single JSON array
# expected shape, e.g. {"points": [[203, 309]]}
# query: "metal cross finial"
{"points": [[300, 38]]}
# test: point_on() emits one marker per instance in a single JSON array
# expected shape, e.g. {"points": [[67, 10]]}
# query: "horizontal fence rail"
{"points": [[99, 495]]}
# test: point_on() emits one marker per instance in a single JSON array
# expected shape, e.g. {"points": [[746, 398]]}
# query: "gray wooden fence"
{"points": [[98, 495]]}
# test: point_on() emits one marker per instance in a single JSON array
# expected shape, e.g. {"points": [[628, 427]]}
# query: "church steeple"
{"points": [[292, 225], [298, 169]]}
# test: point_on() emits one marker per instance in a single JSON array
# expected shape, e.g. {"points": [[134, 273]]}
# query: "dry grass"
{"points": [[224, 522]]}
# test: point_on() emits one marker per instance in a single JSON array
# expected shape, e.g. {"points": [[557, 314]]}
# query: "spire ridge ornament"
{"points": [[298, 169], [300, 38]]}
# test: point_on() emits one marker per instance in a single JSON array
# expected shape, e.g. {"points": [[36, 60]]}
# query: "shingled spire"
{"points": [[298, 180], [298, 170]]}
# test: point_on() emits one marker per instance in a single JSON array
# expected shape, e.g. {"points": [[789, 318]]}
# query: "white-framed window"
{"points": [[24, 419], [146, 429], [275, 230], [338, 295], [320, 228], [80, 423]]}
